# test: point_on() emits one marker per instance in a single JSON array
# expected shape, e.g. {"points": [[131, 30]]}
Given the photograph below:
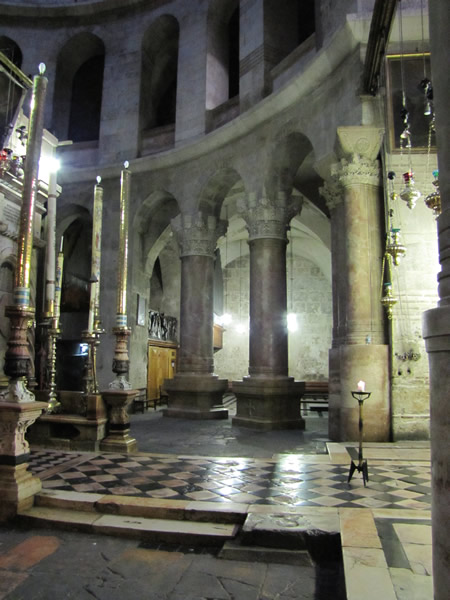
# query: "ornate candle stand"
{"points": [[18, 408], [119, 397], [89, 375], [361, 467], [53, 333], [92, 339], [120, 394]]}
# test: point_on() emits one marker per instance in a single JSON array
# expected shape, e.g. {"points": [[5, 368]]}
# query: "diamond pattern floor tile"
{"points": [[253, 481]]}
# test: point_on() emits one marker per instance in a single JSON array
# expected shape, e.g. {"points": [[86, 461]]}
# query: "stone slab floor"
{"points": [[45, 565]]}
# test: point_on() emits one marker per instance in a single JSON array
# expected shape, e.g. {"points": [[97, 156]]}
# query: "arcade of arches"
{"points": [[265, 180]]}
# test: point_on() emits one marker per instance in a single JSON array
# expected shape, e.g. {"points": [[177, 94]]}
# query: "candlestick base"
{"points": [[361, 467]]}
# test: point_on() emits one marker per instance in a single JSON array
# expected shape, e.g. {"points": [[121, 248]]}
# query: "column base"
{"points": [[348, 365], [195, 397], [118, 438], [267, 403]]}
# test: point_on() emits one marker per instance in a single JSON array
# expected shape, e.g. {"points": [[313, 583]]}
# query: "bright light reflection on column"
{"points": [[292, 324]]}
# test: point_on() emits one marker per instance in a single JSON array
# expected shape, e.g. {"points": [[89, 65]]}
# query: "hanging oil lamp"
{"points": [[394, 247], [433, 200], [410, 194], [388, 300]]}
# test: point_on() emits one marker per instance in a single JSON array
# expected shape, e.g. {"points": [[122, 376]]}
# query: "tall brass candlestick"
{"points": [[58, 284], [121, 320], [25, 237], [91, 335], [121, 331], [96, 252], [54, 405], [17, 357], [51, 246]]}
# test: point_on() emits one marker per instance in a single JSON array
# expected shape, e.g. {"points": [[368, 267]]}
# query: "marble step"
{"points": [[156, 530], [150, 508]]}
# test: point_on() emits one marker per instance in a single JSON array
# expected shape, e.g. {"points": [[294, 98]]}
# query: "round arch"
{"points": [[79, 85], [159, 73]]}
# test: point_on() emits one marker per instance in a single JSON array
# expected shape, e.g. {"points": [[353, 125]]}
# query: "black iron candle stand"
{"points": [[361, 467]]}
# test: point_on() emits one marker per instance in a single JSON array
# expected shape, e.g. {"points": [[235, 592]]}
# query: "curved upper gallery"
{"points": [[162, 84]]}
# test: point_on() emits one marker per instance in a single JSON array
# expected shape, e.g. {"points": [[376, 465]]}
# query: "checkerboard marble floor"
{"points": [[385, 526], [294, 480]]}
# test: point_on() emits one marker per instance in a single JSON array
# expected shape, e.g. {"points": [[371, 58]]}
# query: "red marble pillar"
{"points": [[268, 398], [195, 392]]}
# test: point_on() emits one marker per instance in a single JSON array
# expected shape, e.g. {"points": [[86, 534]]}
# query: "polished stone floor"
{"points": [[385, 526], [287, 480]]}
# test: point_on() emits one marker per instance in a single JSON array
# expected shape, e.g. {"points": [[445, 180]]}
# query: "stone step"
{"points": [[234, 550], [155, 530], [150, 508]]}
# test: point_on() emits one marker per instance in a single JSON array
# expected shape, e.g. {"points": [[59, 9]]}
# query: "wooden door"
{"points": [[161, 366]]}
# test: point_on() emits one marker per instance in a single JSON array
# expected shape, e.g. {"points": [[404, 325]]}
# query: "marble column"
{"points": [[359, 351], [195, 392], [268, 398], [436, 322]]}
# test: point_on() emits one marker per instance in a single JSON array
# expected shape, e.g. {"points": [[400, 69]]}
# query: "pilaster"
{"points": [[436, 322], [358, 350]]}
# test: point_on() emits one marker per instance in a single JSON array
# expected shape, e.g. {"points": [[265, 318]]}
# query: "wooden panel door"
{"points": [[161, 366]]}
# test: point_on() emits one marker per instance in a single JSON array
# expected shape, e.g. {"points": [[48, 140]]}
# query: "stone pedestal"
{"points": [[81, 425], [196, 397], [118, 438], [348, 365], [17, 485], [268, 403]]}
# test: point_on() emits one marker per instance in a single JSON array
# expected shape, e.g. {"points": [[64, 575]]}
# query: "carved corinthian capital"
{"points": [[356, 170], [197, 235], [268, 218]]}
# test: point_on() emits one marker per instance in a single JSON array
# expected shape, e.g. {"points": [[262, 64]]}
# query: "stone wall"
{"points": [[311, 302]]}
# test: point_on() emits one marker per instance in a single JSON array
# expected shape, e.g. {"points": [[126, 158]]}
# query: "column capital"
{"points": [[333, 193], [266, 217], [356, 170], [197, 234], [363, 140]]}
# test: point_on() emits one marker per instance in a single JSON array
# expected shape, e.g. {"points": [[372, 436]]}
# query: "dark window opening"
{"points": [[306, 19], [166, 110], [85, 108]]}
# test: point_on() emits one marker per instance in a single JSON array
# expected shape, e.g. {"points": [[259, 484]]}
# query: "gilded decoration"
{"points": [[197, 235]]}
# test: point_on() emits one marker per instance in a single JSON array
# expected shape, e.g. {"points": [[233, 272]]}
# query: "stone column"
{"points": [[436, 322], [195, 392], [268, 398], [359, 351]]}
